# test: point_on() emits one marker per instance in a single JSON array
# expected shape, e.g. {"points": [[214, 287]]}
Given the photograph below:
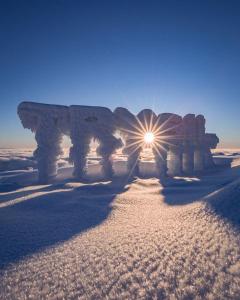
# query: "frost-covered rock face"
{"points": [[183, 140]]}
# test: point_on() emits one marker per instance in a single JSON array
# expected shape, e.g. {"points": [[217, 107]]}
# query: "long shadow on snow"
{"points": [[34, 224], [183, 191], [9, 194], [227, 206]]}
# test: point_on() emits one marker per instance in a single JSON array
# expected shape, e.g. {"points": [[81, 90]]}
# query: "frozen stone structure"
{"points": [[49, 123], [181, 145], [172, 131], [87, 122], [168, 132]]}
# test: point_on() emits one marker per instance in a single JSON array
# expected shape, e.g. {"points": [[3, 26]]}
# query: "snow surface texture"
{"points": [[121, 239], [185, 140]]}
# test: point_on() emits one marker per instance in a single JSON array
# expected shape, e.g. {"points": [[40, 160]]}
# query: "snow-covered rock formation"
{"points": [[49, 123], [210, 142], [180, 145], [171, 132], [128, 125], [199, 143], [87, 122], [189, 140]]}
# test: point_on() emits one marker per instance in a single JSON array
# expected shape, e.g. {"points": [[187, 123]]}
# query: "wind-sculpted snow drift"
{"points": [[182, 139]]}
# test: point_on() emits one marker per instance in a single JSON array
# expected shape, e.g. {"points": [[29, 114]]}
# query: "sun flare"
{"points": [[149, 137]]}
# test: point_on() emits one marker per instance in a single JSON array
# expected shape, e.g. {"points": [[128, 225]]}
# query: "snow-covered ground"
{"points": [[122, 239]]}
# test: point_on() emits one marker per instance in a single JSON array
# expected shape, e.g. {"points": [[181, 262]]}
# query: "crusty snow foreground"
{"points": [[123, 240]]}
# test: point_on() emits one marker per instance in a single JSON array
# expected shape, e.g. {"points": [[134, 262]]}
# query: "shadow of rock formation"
{"points": [[32, 224]]}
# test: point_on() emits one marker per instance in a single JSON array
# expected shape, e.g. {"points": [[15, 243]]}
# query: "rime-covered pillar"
{"points": [[188, 158], [92, 122], [175, 160], [199, 158], [171, 134], [80, 138], [210, 142], [133, 153], [48, 122], [160, 155], [208, 159], [108, 145], [199, 144], [189, 142], [133, 163], [48, 138], [129, 127], [78, 152]]}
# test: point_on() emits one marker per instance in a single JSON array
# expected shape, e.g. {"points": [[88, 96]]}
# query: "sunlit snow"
{"points": [[120, 239]]}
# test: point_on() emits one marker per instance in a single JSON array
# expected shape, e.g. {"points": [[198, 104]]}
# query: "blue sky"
{"points": [[172, 56]]}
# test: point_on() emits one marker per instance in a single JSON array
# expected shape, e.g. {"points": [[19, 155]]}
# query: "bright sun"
{"points": [[149, 137]]}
